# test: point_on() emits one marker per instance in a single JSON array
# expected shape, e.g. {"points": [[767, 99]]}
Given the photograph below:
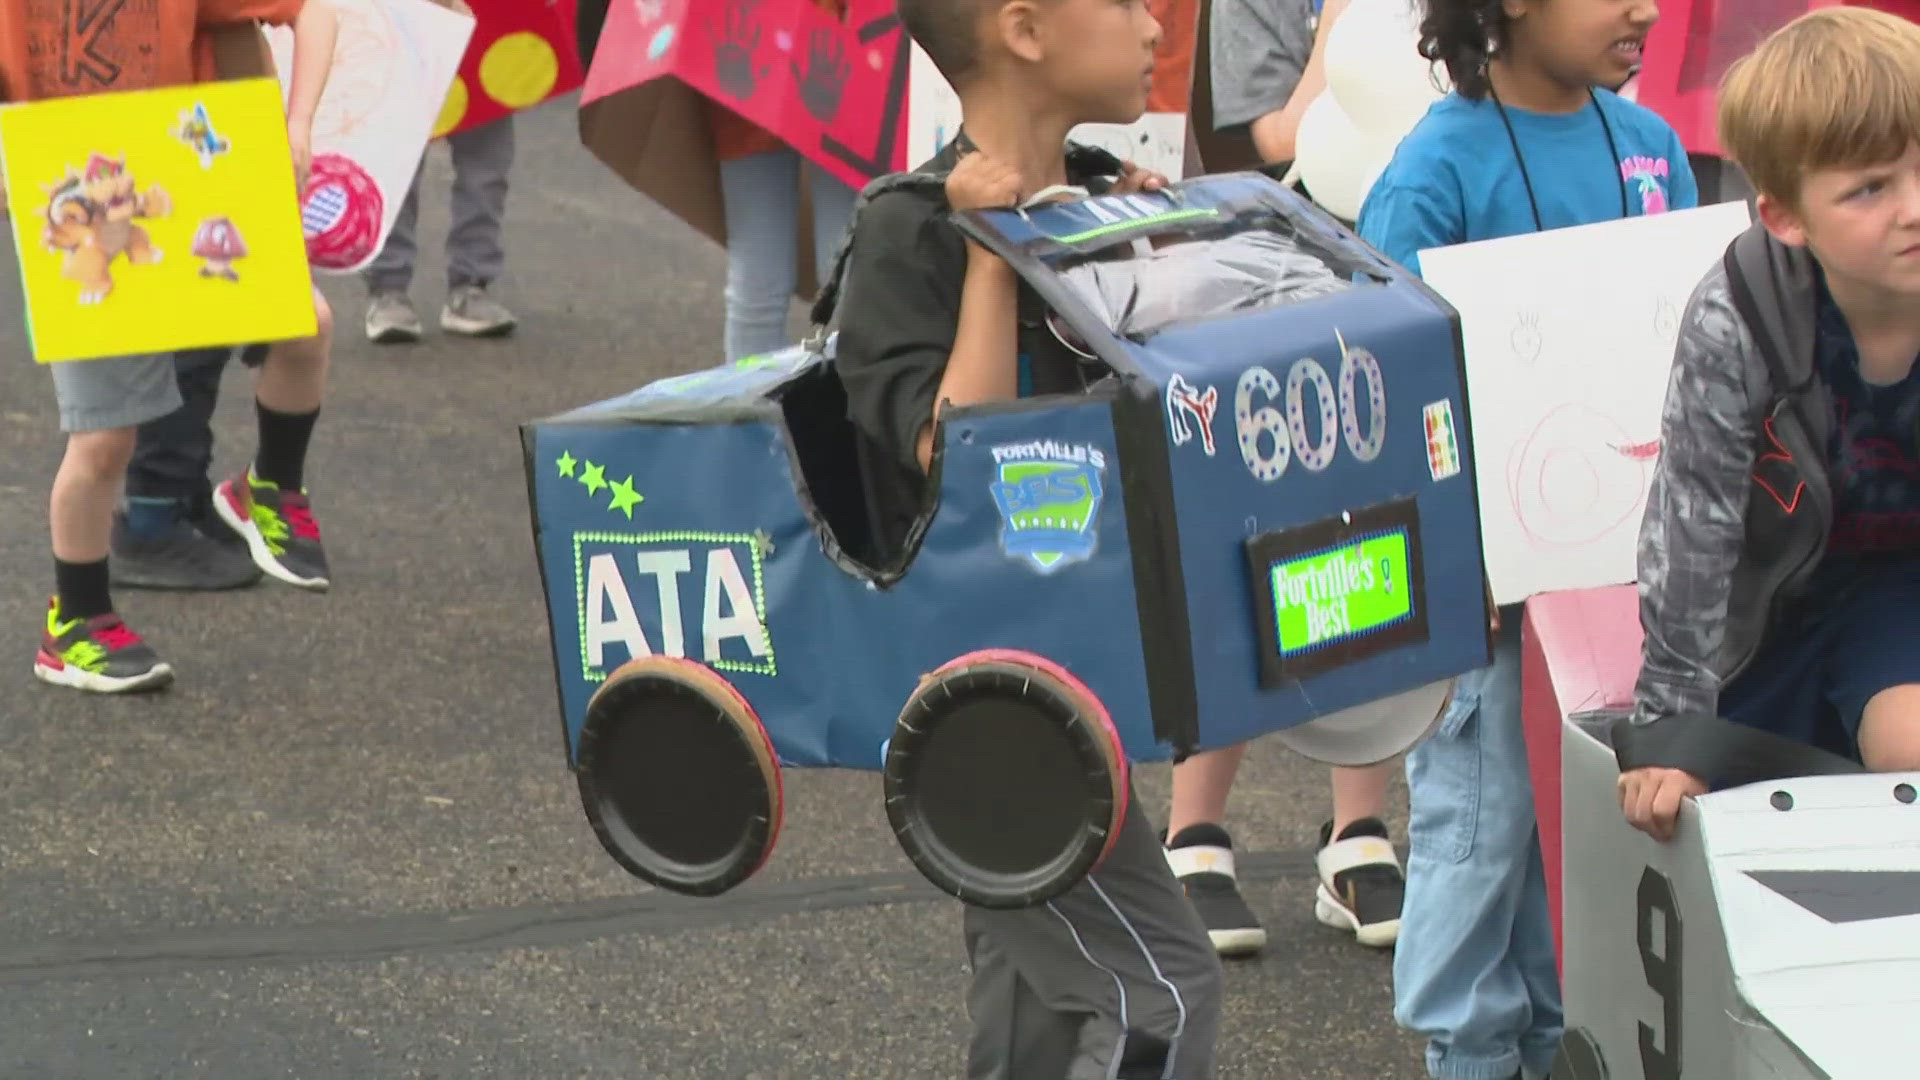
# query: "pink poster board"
{"points": [[1692, 46], [833, 89]]}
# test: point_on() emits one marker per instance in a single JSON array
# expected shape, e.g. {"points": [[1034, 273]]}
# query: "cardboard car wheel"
{"points": [[678, 777], [1006, 781]]}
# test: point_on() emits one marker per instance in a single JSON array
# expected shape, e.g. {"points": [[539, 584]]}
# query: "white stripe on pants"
{"points": [[1114, 980]]}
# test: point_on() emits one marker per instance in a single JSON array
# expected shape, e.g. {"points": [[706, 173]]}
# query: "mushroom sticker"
{"points": [[219, 243]]}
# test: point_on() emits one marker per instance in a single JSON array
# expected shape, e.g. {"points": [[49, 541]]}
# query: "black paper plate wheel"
{"points": [[678, 776], [1006, 782]]}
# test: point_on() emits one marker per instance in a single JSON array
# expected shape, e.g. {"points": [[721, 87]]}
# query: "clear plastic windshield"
{"points": [[1190, 279]]}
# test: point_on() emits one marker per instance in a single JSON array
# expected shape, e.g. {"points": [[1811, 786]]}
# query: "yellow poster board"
{"points": [[156, 220]]}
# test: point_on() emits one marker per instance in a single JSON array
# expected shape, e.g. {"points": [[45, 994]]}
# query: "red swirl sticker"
{"points": [[341, 212]]}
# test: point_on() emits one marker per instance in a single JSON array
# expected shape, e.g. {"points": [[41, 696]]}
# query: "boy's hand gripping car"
{"points": [[1775, 937], [1259, 522]]}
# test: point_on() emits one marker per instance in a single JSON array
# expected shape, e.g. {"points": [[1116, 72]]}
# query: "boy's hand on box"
{"points": [[1134, 178], [1650, 797], [981, 183]]}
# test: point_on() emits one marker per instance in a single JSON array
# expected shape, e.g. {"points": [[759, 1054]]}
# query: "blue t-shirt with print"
{"points": [[1874, 453], [1453, 179]]}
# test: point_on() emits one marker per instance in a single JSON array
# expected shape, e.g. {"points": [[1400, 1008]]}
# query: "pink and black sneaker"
{"points": [[278, 527], [100, 654]]}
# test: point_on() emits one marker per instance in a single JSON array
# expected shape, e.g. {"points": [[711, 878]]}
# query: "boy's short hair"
{"points": [[1837, 88], [949, 31]]}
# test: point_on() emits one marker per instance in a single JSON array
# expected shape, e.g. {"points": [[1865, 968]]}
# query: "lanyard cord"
{"points": [[1613, 155]]}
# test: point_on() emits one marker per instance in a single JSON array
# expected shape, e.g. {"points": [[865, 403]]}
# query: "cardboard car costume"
{"points": [[1776, 936], [1262, 521]]}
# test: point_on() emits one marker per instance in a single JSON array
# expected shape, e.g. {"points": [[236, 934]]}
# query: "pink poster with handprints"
{"points": [[833, 89]]}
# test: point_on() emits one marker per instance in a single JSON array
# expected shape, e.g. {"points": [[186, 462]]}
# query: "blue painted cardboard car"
{"points": [[1249, 523]]}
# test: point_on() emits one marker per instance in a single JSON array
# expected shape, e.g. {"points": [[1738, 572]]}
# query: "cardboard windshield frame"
{"points": [[1271, 549]]}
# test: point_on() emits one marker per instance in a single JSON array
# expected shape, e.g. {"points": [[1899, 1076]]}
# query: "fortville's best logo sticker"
{"points": [[1049, 496]]}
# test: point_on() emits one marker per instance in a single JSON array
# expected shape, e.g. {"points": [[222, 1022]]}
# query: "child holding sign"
{"points": [[1525, 142], [102, 402]]}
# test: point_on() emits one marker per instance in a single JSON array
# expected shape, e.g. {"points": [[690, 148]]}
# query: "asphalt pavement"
{"points": [[344, 844]]}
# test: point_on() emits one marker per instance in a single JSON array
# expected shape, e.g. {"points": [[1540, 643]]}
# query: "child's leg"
{"points": [[761, 193], [1476, 935], [1359, 793], [482, 160], [101, 403], [390, 318], [1890, 730], [169, 537], [172, 453], [391, 271], [1201, 785], [293, 378], [1361, 886], [832, 213], [267, 503], [1872, 667], [1200, 850], [1116, 971], [80, 510]]}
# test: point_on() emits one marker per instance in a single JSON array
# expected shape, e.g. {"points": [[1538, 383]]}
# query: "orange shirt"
{"points": [[60, 48], [734, 136], [1173, 60]]}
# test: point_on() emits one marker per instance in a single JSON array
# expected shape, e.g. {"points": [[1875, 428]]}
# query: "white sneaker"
{"points": [[390, 319], [1202, 862], [470, 311], [1361, 884]]}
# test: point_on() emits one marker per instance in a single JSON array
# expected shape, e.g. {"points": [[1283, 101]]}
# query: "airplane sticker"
{"points": [[196, 130]]}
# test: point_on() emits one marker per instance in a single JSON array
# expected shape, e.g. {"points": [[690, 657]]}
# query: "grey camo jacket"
{"points": [[1741, 503]]}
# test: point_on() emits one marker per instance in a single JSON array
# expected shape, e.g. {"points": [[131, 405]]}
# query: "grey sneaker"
{"points": [[390, 319], [472, 312]]}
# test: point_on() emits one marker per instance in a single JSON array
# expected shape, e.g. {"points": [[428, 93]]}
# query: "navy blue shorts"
{"points": [[1814, 676]]}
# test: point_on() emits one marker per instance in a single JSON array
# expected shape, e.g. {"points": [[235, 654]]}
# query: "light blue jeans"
{"points": [[762, 200], [1474, 969]]}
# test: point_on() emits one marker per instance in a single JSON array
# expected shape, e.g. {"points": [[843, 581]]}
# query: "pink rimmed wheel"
{"points": [[678, 776], [1006, 781]]}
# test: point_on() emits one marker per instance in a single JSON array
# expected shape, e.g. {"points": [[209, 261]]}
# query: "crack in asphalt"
{"points": [[654, 912]]}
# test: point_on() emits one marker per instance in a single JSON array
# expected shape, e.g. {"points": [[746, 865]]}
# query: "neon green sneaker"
{"points": [[278, 527], [99, 654]]}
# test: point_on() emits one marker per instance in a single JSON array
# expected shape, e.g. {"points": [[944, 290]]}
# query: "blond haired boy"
{"points": [[1780, 554]]}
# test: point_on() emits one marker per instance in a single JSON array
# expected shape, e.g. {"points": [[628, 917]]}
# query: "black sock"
{"points": [[82, 587], [282, 458]]}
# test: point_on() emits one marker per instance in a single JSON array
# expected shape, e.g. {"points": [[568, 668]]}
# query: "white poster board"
{"points": [[1157, 141], [1569, 339], [392, 65]]}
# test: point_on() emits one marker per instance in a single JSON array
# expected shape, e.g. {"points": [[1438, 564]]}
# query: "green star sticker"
{"points": [[625, 498], [595, 478], [567, 462]]}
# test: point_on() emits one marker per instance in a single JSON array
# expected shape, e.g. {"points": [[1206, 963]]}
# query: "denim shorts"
{"points": [[114, 392], [1813, 677]]}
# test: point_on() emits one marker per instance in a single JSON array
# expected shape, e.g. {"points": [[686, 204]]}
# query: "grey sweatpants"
{"points": [[482, 158], [1114, 980]]}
